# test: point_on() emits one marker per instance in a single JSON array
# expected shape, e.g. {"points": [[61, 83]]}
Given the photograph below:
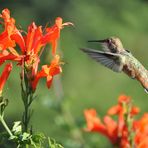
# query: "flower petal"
{"points": [[4, 76]]}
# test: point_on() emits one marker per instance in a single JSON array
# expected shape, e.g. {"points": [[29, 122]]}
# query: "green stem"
{"points": [[129, 123], [27, 103], [27, 98], [5, 126], [27, 146], [26, 118]]}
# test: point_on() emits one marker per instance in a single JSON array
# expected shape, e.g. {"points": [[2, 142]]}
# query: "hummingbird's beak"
{"points": [[100, 41]]}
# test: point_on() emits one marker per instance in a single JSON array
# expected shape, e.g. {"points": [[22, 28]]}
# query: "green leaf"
{"points": [[38, 138], [26, 136], [53, 144], [17, 128]]}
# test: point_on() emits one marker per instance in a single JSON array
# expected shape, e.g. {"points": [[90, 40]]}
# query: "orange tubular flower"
{"points": [[33, 39], [121, 110], [48, 72], [32, 45], [53, 33], [124, 133], [33, 42], [94, 124], [10, 32], [7, 38], [4, 76], [6, 55], [141, 130]]}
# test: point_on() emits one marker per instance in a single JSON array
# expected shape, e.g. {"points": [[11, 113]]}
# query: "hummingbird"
{"points": [[115, 57]]}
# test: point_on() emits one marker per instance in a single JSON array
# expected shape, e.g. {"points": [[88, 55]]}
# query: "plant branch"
{"points": [[27, 98], [5, 126]]}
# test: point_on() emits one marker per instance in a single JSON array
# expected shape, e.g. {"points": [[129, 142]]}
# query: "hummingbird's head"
{"points": [[112, 44]]}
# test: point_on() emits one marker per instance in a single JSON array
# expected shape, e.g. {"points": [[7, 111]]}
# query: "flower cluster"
{"points": [[31, 45], [125, 132]]}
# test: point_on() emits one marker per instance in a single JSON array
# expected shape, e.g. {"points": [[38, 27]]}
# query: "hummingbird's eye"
{"points": [[109, 40]]}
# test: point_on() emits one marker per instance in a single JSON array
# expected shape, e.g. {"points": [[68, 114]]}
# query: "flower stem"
{"points": [[27, 98], [5, 126], [129, 123], [26, 116]]}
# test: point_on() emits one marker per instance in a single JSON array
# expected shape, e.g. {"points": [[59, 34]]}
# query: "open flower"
{"points": [[29, 44], [32, 45], [4, 76], [141, 130], [7, 38], [53, 33], [10, 33], [121, 110], [48, 71], [125, 132], [94, 124]]}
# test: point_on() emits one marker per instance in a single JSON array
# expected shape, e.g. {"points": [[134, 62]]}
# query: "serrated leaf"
{"points": [[26, 136], [17, 128]]}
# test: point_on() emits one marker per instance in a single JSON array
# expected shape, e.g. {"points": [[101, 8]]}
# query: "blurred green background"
{"points": [[84, 84]]}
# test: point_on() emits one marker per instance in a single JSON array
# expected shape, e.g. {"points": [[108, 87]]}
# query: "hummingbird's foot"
{"points": [[146, 90]]}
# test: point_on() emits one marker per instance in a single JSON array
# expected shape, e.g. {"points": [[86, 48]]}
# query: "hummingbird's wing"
{"points": [[110, 60]]}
